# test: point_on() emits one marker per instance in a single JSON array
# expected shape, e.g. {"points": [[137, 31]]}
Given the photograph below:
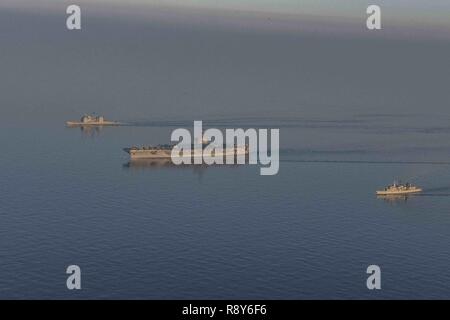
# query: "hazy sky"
{"points": [[155, 59], [430, 15]]}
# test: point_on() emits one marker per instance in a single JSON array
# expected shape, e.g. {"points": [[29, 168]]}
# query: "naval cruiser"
{"points": [[92, 120], [398, 189], [164, 151]]}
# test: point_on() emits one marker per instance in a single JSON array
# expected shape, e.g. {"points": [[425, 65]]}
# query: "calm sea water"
{"points": [[139, 230]]}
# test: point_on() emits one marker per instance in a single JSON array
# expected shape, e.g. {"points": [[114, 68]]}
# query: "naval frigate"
{"points": [[92, 120], [398, 189]]}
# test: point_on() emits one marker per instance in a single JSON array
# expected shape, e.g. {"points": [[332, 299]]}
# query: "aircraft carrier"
{"points": [[164, 151]]}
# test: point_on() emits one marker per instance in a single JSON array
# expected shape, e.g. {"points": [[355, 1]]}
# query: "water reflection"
{"points": [[397, 198], [167, 163], [88, 131], [150, 164]]}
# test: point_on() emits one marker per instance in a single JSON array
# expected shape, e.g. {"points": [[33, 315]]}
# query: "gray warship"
{"points": [[164, 151], [92, 120]]}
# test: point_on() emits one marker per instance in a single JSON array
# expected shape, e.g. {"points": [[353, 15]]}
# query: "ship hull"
{"points": [[400, 192], [83, 124], [167, 154]]}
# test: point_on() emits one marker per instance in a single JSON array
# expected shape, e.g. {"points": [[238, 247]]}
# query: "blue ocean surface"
{"points": [[155, 231]]}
